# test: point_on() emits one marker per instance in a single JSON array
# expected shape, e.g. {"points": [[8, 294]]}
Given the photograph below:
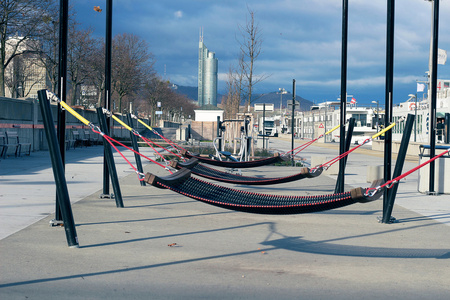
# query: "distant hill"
{"points": [[192, 93]]}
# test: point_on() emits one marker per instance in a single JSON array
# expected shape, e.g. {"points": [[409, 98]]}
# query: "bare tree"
{"points": [[131, 62], [79, 59], [250, 48], [21, 20]]}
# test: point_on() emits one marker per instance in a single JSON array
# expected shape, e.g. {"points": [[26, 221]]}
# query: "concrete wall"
{"points": [[24, 116], [203, 130]]}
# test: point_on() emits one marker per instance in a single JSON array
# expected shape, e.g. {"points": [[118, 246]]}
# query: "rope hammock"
{"points": [[181, 182], [206, 172], [237, 164]]}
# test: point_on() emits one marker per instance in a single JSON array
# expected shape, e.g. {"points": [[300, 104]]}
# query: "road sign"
{"points": [[321, 125], [158, 112], [260, 106]]}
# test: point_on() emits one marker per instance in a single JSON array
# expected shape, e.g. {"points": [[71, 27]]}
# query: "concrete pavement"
{"points": [[166, 246]]}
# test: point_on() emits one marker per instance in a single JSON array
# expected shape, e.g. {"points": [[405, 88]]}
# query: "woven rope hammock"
{"points": [[206, 172], [236, 164], [182, 183]]}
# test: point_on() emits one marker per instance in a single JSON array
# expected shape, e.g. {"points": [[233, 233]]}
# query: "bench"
{"points": [[78, 139], [13, 139], [422, 149], [4, 145]]}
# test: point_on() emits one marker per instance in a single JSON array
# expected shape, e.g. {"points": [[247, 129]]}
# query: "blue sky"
{"points": [[301, 40]]}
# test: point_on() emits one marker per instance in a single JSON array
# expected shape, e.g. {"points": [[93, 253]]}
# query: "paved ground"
{"points": [[215, 253]]}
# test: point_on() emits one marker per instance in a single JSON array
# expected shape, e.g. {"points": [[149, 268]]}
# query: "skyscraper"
{"points": [[207, 75]]}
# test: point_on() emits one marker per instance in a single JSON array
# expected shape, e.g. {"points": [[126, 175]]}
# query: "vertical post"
{"points": [[433, 95], [219, 133], [108, 51], [263, 126], [343, 111], [292, 122], [388, 97], [134, 143], [415, 118], [447, 128], [58, 171], [398, 167], [110, 158], [62, 88], [348, 140]]}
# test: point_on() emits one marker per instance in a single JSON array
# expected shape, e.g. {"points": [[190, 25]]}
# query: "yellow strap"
{"points": [[121, 122], [74, 113], [333, 129], [140, 121], [383, 131]]}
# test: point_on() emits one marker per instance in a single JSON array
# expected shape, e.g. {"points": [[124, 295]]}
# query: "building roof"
{"points": [[209, 107]]}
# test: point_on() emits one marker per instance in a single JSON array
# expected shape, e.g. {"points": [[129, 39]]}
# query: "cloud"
{"points": [[178, 14]]}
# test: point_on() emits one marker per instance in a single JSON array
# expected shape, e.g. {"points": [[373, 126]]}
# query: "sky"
{"points": [[301, 40]]}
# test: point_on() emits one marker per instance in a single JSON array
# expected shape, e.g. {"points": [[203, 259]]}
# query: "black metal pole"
{"points": [[348, 140], [433, 94], [110, 158], [389, 97], [292, 122], [219, 133], [108, 55], [58, 171], [340, 188], [447, 128], [62, 88], [263, 125], [134, 143], [398, 167]]}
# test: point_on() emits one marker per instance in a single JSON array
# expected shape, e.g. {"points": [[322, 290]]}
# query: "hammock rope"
{"points": [[329, 163], [389, 184], [109, 139]]}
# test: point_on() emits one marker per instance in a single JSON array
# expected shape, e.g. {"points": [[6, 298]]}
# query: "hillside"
{"points": [[192, 93]]}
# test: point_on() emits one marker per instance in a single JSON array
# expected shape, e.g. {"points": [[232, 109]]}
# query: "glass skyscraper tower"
{"points": [[207, 75]]}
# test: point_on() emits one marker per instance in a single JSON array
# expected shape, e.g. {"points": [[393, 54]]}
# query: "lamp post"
{"points": [[281, 91], [377, 116], [414, 96]]}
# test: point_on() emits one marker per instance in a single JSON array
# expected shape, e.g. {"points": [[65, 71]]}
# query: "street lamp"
{"points": [[281, 91], [414, 96], [377, 116]]}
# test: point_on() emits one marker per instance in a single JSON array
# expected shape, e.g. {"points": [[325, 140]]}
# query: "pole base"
{"points": [[107, 196], [56, 223], [431, 193], [391, 220]]}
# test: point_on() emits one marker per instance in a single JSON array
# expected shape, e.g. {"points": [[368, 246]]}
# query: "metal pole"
{"points": [[58, 171], [415, 119], [292, 122], [343, 112], [398, 167], [388, 96], [108, 50], [137, 157], [219, 133], [263, 125], [433, 95], [110, 159], [62, 88], [348, 139]]}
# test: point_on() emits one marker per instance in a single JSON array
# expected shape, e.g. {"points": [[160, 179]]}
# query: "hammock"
{"points": [[182, 183], [237, 164], [204, 171]]}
